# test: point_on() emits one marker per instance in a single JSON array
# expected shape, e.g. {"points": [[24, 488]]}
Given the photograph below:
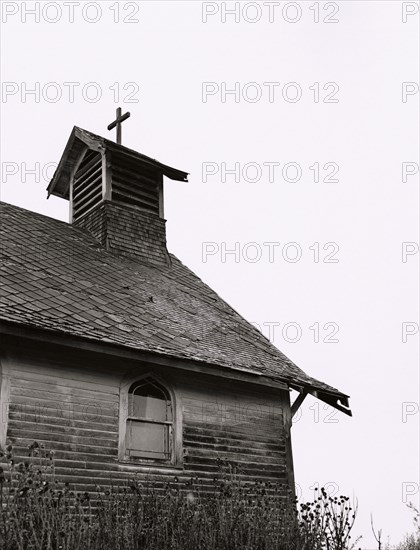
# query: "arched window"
{"points": [[149, 430]]}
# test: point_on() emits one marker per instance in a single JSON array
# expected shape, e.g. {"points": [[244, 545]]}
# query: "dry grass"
{"points": [[412, 541], [40, 513]]}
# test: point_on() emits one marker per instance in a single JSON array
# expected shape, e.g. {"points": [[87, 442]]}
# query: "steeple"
{"points": [[116, 194]]}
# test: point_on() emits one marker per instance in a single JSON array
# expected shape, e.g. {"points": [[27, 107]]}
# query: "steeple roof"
{"points": [[80, 139]]}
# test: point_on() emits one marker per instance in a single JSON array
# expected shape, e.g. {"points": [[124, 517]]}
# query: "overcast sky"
{"points": [[321, 115]]}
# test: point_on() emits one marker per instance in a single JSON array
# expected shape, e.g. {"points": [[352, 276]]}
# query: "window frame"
{"points": [[175, 459], [5, 375]]}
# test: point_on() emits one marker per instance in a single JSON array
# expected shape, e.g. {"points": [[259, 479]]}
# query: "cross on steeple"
{"points": [[117, 123]]}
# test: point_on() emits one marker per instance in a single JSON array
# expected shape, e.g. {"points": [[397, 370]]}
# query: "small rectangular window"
{"points": [[148, 439]]}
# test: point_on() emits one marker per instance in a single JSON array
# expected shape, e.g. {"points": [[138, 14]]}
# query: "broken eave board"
{"points": [[339, 401]]}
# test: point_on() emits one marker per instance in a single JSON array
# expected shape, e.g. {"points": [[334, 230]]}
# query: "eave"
{"points": [[74, 342], [337, 400]]}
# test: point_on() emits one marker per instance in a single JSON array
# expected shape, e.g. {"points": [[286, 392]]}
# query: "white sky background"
{"points": [[368, 213]]}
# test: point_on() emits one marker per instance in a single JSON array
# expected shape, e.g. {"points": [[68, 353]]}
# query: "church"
{"points": [[116, 356]]}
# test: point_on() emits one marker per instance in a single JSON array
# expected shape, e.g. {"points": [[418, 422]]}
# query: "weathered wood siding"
{"points": [[70, 404]]}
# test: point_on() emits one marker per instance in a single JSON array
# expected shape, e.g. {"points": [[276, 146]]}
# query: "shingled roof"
{"points": [[57, 277]]}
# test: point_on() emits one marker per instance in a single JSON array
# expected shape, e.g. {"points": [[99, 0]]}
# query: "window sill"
{"points": [[136, 466]]}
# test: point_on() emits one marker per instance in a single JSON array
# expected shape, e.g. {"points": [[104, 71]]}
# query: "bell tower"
{"points": [[116, 194]]}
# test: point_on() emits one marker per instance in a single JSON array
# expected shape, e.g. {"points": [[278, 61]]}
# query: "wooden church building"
{"points": [[116, 356]]}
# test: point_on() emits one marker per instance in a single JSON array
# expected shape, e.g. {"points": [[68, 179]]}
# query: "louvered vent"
{"points": [[87, 185], [135, 187]]}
